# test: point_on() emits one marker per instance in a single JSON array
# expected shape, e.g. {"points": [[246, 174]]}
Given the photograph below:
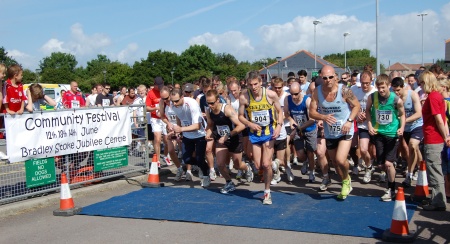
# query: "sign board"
{"points": [[110, 158], [40, 172], [61, 132], [314, 74]]}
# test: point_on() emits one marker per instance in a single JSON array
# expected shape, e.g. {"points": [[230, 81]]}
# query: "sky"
{"points": [[249, 30]]}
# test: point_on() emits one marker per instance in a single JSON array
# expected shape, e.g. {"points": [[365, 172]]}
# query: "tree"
{"points": [[157, 63], [355, 58], [59, 68], [97, 66], [29, 76], [195, 60], [4, 58]]}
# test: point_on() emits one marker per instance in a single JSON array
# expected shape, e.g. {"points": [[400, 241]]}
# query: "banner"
{"points": [[43, 135]]}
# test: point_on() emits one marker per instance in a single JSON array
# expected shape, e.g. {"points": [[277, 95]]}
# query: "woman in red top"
{"points": [[435, 133]]}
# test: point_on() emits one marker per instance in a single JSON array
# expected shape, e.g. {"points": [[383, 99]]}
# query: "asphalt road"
{"points": [[32, 221]]}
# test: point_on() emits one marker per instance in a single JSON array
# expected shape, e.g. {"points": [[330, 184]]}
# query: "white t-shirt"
{"points": [[283, 133], [362, 98], [189, 113]]}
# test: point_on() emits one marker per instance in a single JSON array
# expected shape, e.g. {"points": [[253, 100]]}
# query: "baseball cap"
{"points": [[417, 74], [159, 81], [189, 87]]}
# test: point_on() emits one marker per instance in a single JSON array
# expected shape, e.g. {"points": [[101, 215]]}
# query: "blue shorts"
{"points": [[445, 160], [259, 140]]}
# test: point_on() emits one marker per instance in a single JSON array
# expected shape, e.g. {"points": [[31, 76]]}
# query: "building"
{"points": [[405, 69], [295, 62]]}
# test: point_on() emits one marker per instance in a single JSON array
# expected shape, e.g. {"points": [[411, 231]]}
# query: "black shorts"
{"points": [[233, 144], [288, 130], [386, 148], [416, 133], [364, 134], [245, 132], [280, 145], [334, 143], [150, 132]]}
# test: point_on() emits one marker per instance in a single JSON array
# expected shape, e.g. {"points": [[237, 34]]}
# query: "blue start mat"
{"points": [[319, 213]]}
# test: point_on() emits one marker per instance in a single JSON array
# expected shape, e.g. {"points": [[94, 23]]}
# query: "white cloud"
{"points": [[128, 54], [233, 42], [79, 44], [399, 37], [26, 60]]}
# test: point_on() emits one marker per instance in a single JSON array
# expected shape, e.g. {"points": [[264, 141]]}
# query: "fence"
{"points": [[85, 149]]}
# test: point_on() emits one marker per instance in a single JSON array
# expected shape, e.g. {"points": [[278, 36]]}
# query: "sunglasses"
{"points": [[328, 78], [176, 101], [188, 91], [165, 98], [212, 103], [277, 87], [295, 94]]}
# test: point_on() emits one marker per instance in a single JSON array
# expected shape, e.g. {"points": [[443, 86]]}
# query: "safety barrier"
{"points": [[89, 145]]}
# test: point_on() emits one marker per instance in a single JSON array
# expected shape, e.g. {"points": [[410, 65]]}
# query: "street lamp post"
{"points": [[279, 60], [171, 72], [104, 76], [345, 52], [315, 22], [37, 74], [421, 15]]}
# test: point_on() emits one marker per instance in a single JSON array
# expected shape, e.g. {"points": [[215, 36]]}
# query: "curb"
{"points": [[28, 205]]}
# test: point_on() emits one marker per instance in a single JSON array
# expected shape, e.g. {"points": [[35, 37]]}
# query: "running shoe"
{"points": [[407, 181], [346, 189], [200, 173], [231, 165], [267, 199], [229, 186], [350, 161], [388, 195], [368, 175], [415, 176], [239, 174], [304, 168], [189, 176], [312, 178], [295, 161], [325, 183], [167, 161], [355, 170], [206, 181], [212, 174], [249, 174], [276, 173], [289, 174], [382, 177], [179, 174], [282, 169]]}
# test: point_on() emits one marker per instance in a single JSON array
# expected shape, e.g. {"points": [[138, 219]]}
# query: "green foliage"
{"points": [[4, 58], [194, 60], [355, 58], [59, 60], [28, 76]]}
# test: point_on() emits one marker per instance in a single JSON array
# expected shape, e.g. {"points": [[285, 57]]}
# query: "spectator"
{"points": [[90, 100], [104, 98], [14, 100], [129, 98], [73, 98], [36, 98]]}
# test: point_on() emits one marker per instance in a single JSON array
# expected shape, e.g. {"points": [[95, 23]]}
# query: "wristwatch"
{"points": [[350, 120]]}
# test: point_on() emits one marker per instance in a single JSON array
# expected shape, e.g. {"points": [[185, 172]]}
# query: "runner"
{"points": [[386, 121], [224, 129], [338, 108], [304, 130], [261, 105], [413, 133], [190, 122], [365, 139]]}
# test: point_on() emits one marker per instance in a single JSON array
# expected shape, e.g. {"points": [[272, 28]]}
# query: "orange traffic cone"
{"points": [[153, 174], [399, 231], [421, 192], [66, 205]]}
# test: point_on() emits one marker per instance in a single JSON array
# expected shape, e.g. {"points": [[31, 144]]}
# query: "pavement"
{"points": [[33, 221]]}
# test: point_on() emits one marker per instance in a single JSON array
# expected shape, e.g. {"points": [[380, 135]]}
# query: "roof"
{"points": [[405, 67], [303, 60]]}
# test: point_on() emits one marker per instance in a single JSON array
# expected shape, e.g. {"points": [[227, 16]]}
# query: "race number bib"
{"points": [[172, 118], [223, 130], [261, 118], [75, 104], [105, 102], [335, 129], [384, 117], [186, 123], [300, 119]]}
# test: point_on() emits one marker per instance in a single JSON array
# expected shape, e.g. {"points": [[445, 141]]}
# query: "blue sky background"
{"points": [[249, 30]]}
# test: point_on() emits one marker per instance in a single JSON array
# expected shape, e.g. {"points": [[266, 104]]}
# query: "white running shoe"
{"points": [[228, 187], [368, 175], [295, 161], [388, 195], [212, 174], [289, 174], [179, 174], [206, 181], [249, 174], [239, 175], [325, 183], [189, 176], [167, 161]]}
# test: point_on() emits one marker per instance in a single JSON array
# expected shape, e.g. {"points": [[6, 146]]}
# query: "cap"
{"points": [[189, 87], [159, 81], [417, 74]]}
